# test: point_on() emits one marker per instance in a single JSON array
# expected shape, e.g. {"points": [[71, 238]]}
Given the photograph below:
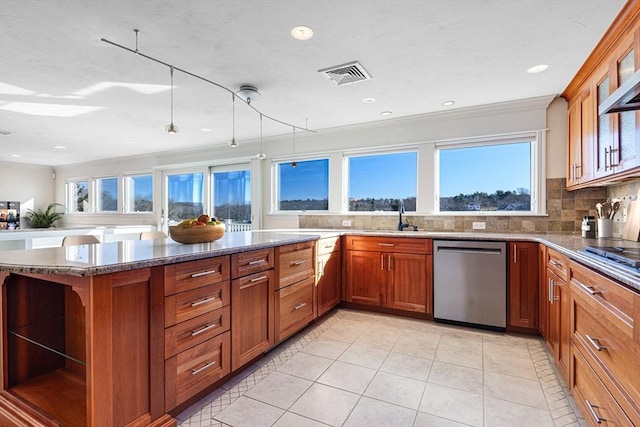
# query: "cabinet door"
{"points": [[409, 285], [523, 285], [366, 277], [574, 143], [544, 292], [294, 308], [252, 317], [563, 308], [625, 151], [604, 134], [587, 129], [553, 328], [328, 282]]}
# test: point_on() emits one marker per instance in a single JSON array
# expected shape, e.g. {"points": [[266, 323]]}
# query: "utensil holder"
{"points": [[605, 227]]}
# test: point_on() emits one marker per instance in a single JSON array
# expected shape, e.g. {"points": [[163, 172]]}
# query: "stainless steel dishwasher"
{"points": [[470, 283]]}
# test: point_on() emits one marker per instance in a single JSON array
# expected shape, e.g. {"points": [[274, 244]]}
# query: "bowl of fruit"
{"points": [[197, 230]]}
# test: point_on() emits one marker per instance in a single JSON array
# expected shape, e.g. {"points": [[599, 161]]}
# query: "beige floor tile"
{"points": [[347, 377], [457, 405], [458, 354], [307, 366], [340, 333], [506, 347], [462, 338], [500, 413], [326, 404], [364, 356], [279, 389], [394, 389], [428, 420], [372, 413], [508, 365], [330, 349], [289, 419], [407, 366], [513, 389], [250, 413], [380, 340], [419, 347], [456, 376]]}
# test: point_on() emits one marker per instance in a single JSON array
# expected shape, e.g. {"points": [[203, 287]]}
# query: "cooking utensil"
{"points": [[606, 210], [615, 206], [599, 209]]}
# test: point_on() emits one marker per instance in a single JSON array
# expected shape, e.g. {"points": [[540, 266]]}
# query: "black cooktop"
{"points": [[626, 256]]}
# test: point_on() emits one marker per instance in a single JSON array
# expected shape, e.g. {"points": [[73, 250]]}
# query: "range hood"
{"points": [[625, 98]]}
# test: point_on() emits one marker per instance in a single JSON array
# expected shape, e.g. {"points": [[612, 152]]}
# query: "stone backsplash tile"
{"points": [[565, 210]]}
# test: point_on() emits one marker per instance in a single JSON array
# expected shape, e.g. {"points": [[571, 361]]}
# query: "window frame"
{"points": [[126, 209], [71, 205], [275, 184], [96, 198], [235, 167]]}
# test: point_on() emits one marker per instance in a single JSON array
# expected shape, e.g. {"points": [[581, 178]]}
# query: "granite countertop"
{"points": [[88, 260]]}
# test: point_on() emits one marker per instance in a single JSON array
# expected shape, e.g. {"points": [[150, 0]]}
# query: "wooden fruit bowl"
{"points": [[201, 234]]}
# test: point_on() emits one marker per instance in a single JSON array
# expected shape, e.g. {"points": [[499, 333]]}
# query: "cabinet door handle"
{"points": [[258, 279], [202, 273], [204, 301], [589, 289], [573, 172], [554, 263], [386, 244], [299, 306], [389, 262], [203, 329], [206, 366], [515, 254], [595, 416], [607, 156], [381, 262], [594, 343], [328, 246], [550, 292], [260, 261], [611, 164], [298, 262]]}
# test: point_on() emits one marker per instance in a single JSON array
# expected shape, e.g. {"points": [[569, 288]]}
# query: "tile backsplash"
{"points": [[565, 210]]}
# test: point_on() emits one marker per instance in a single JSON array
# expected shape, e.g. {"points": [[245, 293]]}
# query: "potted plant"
{"points": [[40, 219]]}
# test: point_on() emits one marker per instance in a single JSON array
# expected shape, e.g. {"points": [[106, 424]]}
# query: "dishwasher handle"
{"points": [[470, 250]]}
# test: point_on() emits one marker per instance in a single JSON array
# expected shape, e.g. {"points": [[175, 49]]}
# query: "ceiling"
{"points": [[60, 85]]}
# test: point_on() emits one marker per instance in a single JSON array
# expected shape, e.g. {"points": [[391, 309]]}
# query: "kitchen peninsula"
{"points": [[127, 333]]}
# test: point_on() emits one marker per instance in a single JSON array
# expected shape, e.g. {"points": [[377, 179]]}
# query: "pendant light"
{"points": [[233, 143], [261, 154], [171, 128], [294, 164]]}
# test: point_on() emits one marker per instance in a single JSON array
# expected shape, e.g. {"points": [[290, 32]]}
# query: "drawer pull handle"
{"points": [[589, 289], [594, 343], [203, 329], [207, 365], [328, 246], [203, 273], [299, 262], [554, 263], [593, 412], [258, 279], [299, 306], [204, 301], [256, 262], [386, 244]]}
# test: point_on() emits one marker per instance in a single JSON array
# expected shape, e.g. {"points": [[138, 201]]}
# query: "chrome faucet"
{"points": [[403, 225]]}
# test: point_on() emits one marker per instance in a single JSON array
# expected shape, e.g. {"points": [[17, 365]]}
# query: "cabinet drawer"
{"points": [[327, 245], [294, 263], [390, 244], [195, 369], [558, 263], [187, 334], [187, 305], [195, 274], [246, 263], [597, 405], [294, 308]]}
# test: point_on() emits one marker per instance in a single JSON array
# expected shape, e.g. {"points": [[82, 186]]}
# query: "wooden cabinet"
{"points": [[295, 288], [390, 272], [604, 147], [543, 292], [557, 307], [252, 306], [328, 274], [523, 285], [196, 316], [604, 332]]}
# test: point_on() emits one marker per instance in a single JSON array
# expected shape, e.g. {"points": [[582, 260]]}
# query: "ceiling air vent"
{"points": [[346, 73]]}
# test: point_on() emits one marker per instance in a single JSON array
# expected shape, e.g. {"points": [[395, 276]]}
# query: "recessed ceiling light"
{"points": [[16, 155], [205, 130], [369, 100], [537, 69], [302, 33], [448, 103], [51, 110], [386, 113], [60, 147]]}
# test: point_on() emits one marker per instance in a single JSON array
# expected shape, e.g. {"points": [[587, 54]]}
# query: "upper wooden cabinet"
{"points": [[604, 147]]}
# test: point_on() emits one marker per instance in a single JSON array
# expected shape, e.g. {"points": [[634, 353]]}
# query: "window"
{"points": [[138, 193], [486, 177], [185, 194], [379, 182], [78, 196], [303, 186], [107, 194], [232, 195]]}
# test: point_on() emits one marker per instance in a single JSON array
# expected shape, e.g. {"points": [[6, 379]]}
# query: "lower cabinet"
{"points": [[294, 308], [328, 274], [523, 285]]}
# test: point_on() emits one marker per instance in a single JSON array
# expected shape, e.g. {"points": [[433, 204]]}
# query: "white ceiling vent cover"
{"points": [[346, 73]]}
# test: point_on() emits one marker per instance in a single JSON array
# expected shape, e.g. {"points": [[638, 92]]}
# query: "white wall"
{"points": [[510, 117], [31, 185]]}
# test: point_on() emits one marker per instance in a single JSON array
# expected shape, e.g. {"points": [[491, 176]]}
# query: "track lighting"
{"points": [[261, 154], [294, 164], [233, 143], [171, 128]]}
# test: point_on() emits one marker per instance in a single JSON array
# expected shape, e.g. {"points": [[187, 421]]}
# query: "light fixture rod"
{"points": [[203, 79]]}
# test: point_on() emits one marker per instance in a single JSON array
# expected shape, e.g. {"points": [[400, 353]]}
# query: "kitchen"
{"points": [[565, 209]]}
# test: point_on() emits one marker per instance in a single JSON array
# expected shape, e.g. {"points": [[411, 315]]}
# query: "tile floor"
{"points": [[357, 368]]}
